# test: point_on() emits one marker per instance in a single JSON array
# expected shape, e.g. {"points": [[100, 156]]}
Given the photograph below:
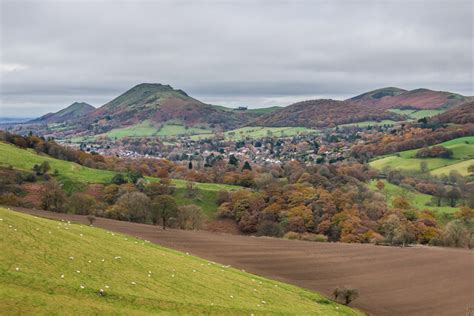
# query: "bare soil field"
{"points": [[390, 280]]}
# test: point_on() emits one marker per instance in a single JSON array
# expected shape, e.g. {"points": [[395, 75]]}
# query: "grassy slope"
{"points": [[417, 114], [179, 129], [25, 160], [254, 111], [72, 172], [371, 123], [463, 149], [264, 110], [460, 167], [178, 283], [143, 129], [258, 132], [417, 200], [147, 129]]}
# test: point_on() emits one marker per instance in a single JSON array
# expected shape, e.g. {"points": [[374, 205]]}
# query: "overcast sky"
{"points": [[255, 53]]}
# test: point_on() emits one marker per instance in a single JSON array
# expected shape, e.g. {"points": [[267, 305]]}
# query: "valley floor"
{"points": [[391, 281]]}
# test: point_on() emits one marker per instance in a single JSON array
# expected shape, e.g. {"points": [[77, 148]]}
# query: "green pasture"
{"points": [[58, 268], [463, 154]]}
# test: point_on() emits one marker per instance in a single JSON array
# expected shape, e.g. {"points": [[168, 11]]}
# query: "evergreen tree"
{"points": [[246, 166]]}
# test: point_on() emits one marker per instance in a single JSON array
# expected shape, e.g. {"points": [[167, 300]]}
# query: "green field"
{"points": [[57, 268], [255, 132], [370, 123], [70, 172], [417, 114], [143, 129], [463, 155], [25, 159], [461, 167], [253, 111], [417, 200], [147, 129], [264, 110]]}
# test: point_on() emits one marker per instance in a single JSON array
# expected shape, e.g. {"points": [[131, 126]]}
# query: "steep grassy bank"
{"points": [[52, 267]]}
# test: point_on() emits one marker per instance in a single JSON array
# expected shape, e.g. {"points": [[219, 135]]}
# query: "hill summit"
{"points": [[72, 112], [324, 113], [159, 103], [390, 97]]}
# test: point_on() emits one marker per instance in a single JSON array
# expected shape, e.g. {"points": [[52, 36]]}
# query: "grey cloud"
{"points": [[230, 52]]}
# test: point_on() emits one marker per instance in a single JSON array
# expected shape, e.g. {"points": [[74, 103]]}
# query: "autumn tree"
{"points": [[164, 208], [189, 217], [223, 196], [345, 293], [453, 195], [424, 167], [403, 234], [191, 190], [401, 202], [162, 187], [81, 204], [380, 185], [53, 197], [134, 205], [389, 226], [456, 234], [118, 179]]}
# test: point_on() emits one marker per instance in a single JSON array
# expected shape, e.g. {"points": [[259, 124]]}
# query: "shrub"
{"points": [[223, 196], [456, 234], [53, 197], [81, 204], [163, 209], [30, 177], [434, 152], [269, 228], [313, 237], [191, 190], [91, 219], [9, 199], [118, 179], [291, 235], [189, 217], [346, 294], [135, 206]]}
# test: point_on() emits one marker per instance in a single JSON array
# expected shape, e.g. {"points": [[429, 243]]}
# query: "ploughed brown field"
{"points": [[390, 280]]}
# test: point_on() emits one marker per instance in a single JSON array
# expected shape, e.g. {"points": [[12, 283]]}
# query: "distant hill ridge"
{"points": [[324, 113], [161, 103], [392, 97], [72, 112]]}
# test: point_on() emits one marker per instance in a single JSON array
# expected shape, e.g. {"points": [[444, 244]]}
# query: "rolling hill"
{"points": [[71, 174], [55, 267], [417, 199], [158, 104], [324, 113], [389, 98], [463, 157], [462, 114], [73, 112]]}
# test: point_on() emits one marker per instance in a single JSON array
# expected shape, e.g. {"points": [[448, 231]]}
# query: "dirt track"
{"points": [[391, 281]]}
